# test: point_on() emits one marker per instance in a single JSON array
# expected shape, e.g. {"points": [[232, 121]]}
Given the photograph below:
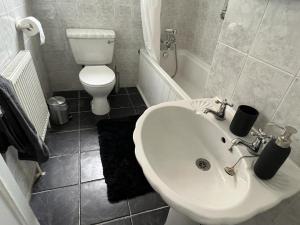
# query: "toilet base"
{"points": [[100, 106]]}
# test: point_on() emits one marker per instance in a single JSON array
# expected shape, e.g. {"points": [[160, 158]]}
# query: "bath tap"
{"points": [[254, 147], [220, 114], [171, 38]]}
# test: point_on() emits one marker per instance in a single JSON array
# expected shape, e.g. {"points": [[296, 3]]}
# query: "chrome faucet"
{"points": [[170, 38], [254, 147], [220, 114]]}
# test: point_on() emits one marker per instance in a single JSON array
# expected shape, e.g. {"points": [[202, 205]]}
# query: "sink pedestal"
{"points": [[175, 218]]}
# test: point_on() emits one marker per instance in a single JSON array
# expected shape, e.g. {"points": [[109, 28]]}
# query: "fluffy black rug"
{"points": [[123, 175]]}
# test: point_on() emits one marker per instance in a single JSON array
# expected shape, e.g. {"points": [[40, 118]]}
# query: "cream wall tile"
{"points": [[278, 38], [241, 23], [198, 24], [67, 14], [4, 54], [12, 4], [207, 29], [225, 72], [59, 79], [55, 39], [262, 87], [2, 8], [289, 114], [59, 60]]}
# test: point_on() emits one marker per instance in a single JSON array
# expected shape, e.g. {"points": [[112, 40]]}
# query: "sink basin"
{"points": [[183, 153]]}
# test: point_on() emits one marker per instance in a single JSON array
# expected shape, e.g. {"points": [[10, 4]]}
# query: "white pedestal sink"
{"points": [[169, 140]]}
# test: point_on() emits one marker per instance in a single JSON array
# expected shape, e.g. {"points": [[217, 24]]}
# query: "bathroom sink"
{"points": [[183, 153]]}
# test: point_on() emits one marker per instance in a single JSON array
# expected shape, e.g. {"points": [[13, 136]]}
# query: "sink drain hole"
{"points": [[203, 164]]}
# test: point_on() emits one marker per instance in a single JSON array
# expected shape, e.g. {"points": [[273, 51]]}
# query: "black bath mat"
{"points": [[123, 175]]}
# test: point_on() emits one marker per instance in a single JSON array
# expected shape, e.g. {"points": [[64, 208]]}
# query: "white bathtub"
{"points": [[156, 85]]}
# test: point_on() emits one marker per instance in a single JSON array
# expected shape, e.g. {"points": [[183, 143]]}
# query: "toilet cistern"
{"points": [[94, 49]]}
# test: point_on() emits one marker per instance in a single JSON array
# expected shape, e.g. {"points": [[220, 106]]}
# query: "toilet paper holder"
{"points": [[21, 26]]}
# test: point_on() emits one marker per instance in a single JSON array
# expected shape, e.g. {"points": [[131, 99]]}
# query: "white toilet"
{"points": [[94, 48]]}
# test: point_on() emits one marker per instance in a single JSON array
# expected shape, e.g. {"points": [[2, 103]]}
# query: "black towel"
{"points": [[16, 129]]}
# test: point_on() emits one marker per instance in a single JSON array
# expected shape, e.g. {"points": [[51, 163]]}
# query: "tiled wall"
{"points": [[58, 15], [198, 23], [11, 42], [257, 62]]}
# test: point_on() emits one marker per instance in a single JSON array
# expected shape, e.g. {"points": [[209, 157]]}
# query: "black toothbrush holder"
{"points": [[243, 120]]}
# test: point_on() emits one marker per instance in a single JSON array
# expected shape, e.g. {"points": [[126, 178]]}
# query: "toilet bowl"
{"points": [[98, 81]]}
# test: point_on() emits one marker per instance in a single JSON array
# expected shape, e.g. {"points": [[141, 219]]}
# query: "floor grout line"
{"points": [[79, 184], [113, 220], [129, 212], [91, 181], [63, 155], [79, 166], [92, 150], [53, 189], [150, 210]]}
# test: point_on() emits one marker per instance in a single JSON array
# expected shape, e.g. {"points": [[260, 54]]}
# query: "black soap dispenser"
{"points": [[274, 155]]}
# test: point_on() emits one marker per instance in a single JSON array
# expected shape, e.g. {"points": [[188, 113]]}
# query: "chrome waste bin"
{"points": [[59, 112]]}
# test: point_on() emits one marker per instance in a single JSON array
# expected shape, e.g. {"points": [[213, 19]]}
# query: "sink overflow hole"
{"points": [[203, 164], [223, 140]]}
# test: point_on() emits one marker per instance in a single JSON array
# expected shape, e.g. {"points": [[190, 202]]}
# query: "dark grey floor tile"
{"points": [[140, 109], [63, 143], [73, 105], [60, 171], [122, 91], [95, 207], [124, 221], [72, 125], [84, 94], [146, 202], [67, 94], [57, 207], [157, 217], [89, 120], [85, 104], [89, 140], [123, 112], [137, 100], [91, 166], [119, 101], [132, 90]]}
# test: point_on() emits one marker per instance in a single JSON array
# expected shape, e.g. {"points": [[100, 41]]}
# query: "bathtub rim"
{"points": [[195, 59], [164, 76]]}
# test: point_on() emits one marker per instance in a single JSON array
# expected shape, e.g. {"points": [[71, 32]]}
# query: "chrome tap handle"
{"points": [[220, 114], [261, 136], [224, 103]]}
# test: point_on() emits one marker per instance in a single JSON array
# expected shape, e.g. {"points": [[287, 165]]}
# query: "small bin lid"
{"points": [[56, 101]]}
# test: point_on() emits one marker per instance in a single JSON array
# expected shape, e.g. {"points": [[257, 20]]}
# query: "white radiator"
{"points": [[23, 76]]}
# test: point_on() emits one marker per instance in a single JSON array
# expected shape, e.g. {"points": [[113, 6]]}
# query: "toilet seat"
{"points": [[97, 76]]}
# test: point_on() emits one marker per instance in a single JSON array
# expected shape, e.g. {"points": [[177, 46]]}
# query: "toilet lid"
{"points": [[97, 75]]}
